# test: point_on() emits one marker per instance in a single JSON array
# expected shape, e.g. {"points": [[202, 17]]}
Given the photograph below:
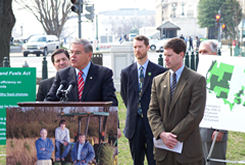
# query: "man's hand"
{"points": [[65, 143], [75, 161], [168, 139], [119, 133], [219, 136], [83, 161]]}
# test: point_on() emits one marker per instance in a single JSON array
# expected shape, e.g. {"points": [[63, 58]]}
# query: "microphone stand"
{"points": [[63, 97]]}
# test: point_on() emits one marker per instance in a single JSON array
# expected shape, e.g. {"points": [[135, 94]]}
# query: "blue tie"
{"points": [[141, 81], [173, 84]]}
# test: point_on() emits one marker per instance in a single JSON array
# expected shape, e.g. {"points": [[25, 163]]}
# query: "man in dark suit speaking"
{"points": [[93, 82], [136, 80], [177, 104]]}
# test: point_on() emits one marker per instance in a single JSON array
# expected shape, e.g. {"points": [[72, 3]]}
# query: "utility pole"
{"points": [[77, 7], [79, 19], [97, 38], [219, 28]]}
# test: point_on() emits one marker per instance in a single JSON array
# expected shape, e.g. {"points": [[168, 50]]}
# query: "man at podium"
{"points": [[93, 82]]}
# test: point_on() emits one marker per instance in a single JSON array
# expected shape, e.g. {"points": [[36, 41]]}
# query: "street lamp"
{"points": [[183, 4], [173, 6]]}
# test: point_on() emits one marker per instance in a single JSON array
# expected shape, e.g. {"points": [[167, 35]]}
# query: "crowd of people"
{"points": [[162, 103], [189, 42]]}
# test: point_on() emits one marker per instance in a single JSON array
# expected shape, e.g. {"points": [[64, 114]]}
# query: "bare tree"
{"points": [[52, 14], [151, 21], [124, 26], [7, 21]]}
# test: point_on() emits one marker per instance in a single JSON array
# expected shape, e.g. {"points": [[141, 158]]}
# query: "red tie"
{"points": [[80, 84]]}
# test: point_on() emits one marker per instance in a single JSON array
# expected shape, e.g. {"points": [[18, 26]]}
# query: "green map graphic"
{"points": [[223, 81]]}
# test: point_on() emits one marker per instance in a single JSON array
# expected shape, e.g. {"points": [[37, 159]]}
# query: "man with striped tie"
{"points": [[94, 82], [177, 104]]}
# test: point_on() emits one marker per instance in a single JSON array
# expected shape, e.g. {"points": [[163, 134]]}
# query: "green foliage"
{"points": [[27, 147], [207, 10], [12, 144], [230, 11], [106, 155], [18, 163]]}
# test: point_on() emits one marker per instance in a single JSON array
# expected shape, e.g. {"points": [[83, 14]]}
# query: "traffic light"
{"points": [[217, 17], [223, 26], [90, 9], [75, 6]]}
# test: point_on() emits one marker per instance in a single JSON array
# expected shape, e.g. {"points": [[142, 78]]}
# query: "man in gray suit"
{"points": [[177, 104], [60, 59], [207, 134]]}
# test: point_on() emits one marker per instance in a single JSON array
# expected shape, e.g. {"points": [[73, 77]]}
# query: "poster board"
{"points": [[225, 104], [24, 125], [16, 85]]}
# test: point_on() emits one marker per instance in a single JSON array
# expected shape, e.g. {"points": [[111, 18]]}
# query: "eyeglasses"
{"points": [[76, 53]]}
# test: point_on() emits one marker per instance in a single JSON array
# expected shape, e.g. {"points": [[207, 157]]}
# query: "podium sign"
{"points": [[16, 85]]}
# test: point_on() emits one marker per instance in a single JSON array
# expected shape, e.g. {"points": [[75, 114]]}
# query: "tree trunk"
{"points": [[7, 21]]}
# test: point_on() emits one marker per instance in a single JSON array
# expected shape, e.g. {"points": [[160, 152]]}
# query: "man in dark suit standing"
{"points": [[94, 82], [176, 108], [208, 134], [60, 59], [136, 80]]}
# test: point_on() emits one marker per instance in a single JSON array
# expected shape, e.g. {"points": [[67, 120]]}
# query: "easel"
{"points": [[219, 160]]}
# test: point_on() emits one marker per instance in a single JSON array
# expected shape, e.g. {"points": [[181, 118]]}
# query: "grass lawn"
{"points": [[235, 148]]}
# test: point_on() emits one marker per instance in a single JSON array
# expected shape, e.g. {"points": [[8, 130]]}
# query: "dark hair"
{"points": [[142, 38], [62, 121], [81, 134], [177, 44], [58, 51]]}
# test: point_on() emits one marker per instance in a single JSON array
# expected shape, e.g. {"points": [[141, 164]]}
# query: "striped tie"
{"points": [[173, 84], [80, 84]]}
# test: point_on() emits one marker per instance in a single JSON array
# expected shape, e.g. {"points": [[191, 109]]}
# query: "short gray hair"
{"points": [[213, 46], [87, 45], [43, 129]]}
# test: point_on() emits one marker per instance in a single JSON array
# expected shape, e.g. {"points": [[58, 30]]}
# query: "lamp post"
{"points": [[97, 38], [183, 4], [174, 8]]}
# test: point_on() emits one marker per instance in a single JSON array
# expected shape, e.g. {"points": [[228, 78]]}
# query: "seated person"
{"points": [[83, 151], [62, 138]]}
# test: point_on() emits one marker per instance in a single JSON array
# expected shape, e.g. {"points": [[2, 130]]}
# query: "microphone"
{"points": [[72, 84], [63, 83]]}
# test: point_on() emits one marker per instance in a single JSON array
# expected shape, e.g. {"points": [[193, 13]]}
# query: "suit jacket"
{"points": [[181, 116], [98, 86], [130, 95], [43, 88]]}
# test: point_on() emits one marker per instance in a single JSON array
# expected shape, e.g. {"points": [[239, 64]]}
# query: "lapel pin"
{"points": [[149, 73], [91, 78]]}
